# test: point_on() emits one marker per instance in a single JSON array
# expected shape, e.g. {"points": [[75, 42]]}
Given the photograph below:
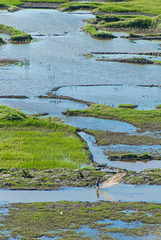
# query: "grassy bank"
{"points": [[144, 6], [93, 31], [15, 4], [17, 36], [69, 220], [148, 176], [123, 15], [28, 142], [126, 21], [143, 119]]}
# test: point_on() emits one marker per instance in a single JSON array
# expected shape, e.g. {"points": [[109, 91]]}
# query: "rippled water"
{"points": [[59, 60]]}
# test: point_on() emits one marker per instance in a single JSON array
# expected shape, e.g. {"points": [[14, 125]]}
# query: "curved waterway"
{"points": [[58, 61]]}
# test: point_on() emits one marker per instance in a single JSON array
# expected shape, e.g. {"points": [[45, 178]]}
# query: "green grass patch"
{"points": [[140, 6], [144, 119], [132, 157], [95, 33], [27, 142], [21, 38], [136, 23], [17, 36]]}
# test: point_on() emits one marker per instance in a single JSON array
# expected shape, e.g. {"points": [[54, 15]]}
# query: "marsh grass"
{"points": [[27, 142], [127, 106], [140, 6], [35, 220], [16, 35], [93, 31]]}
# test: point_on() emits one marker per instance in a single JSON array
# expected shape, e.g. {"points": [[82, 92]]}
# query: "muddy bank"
{"points": [[144, 37], [14, 96], [128, 60], [40, 5], [54, 179], [7, 61], [106, 138], [24, 179], [51, 34], [55, 96], [90, 85], [132, 53]]}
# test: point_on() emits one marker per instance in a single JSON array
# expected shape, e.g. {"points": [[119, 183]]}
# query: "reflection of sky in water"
{"points": [[144, 97], [59, 60], [122, 192]]}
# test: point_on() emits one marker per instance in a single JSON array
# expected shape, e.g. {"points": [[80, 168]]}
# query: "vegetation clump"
{"points": [[21, 38], [148, 176], [17, 36], [93, 31], [127, 106], [132, 157]]}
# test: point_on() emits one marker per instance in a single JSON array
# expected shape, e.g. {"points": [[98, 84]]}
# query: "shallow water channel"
{"points": [[59, 61]]}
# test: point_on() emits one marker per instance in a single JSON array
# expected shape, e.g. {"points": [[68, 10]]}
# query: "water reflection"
{"points": [[121, 192], [144, 97], [105, 194], [64, 55]]}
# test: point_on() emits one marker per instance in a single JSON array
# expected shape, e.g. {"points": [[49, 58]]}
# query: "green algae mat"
{"points": [[81, 220]]}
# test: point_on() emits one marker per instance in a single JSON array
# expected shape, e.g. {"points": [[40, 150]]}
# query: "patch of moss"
{"points": [[34, 220], [127, 106]]}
